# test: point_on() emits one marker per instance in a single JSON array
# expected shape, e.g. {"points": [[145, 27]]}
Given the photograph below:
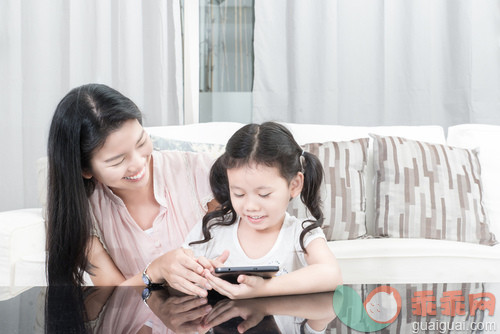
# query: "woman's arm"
{"points": [[321, 274], [178, 267], [103, 271]]}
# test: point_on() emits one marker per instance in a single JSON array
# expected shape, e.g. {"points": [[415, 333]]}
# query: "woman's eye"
{"points": [[117, 164], [142, 144]]}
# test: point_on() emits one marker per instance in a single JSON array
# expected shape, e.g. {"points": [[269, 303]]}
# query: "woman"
{"points": [[116, 208]]}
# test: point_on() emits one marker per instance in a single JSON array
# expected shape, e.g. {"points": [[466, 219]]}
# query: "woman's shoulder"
{"points": [[183, 158], [102, 198], [179, 166]]}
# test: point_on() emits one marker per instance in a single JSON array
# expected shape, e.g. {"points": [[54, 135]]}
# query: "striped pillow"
{"points": [[426, 190], [343, 188]]}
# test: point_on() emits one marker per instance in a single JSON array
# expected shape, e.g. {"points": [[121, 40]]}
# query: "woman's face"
{"points": [[122, 162]]}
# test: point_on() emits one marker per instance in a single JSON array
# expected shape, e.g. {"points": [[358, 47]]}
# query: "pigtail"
{"points": [[224, 214], [310, 195]]}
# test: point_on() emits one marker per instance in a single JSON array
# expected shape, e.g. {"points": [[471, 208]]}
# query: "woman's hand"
{"points": [[181, 271], [182, 314], [214, 263], [248, 287]]}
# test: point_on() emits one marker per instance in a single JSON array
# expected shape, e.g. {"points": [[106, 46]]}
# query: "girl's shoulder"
{"points": [[223, 223], [298, 225], [217, 232], [292, 222]]}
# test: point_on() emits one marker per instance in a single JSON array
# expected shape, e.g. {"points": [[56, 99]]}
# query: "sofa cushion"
{"points": [[486, 138], [426, 190], [394, 260], [342, 190]]}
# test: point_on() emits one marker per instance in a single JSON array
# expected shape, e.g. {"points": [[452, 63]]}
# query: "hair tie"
{"points": [[302, 161]]}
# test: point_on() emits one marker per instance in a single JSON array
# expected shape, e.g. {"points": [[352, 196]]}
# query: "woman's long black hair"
{"points": [[269, 144], [81, 123]]}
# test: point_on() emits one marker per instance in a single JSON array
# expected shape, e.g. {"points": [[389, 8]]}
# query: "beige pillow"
{"points": [[343, 188], [426, 190]]}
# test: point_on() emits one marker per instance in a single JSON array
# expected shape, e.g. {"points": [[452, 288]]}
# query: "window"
{"points": [[225, 58]]}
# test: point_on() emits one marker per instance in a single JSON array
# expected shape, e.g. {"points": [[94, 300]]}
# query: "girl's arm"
{"points": [[321, 274], [317, 308]]}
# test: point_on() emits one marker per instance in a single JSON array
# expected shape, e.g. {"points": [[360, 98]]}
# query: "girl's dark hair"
{"points": [[81, 123], [270, 144]]}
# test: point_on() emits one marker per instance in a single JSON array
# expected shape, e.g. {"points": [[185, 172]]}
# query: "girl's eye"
{"points": [[238, 195], [265, 195]]}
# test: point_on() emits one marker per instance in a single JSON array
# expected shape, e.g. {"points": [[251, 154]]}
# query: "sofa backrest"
{"points": [[220, 132], [467, 136]]}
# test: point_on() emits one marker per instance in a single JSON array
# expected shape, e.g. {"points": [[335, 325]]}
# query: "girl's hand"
{"points": [[248, 287], [212, 264], [225, 310]]}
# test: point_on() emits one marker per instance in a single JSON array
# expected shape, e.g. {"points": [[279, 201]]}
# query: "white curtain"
{"points": [[384, 62], [48, 47]]}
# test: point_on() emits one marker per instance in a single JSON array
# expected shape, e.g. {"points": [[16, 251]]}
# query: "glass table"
{"points": [[391, 308]]}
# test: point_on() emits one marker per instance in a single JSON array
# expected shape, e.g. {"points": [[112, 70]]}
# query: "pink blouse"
{"points": [[181, 187]]}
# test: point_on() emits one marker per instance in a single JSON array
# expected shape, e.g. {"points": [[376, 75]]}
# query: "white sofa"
{"points": [[362, 260]]}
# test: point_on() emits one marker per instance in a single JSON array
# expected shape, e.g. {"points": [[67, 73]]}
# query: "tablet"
{"points": [[231, 274]]}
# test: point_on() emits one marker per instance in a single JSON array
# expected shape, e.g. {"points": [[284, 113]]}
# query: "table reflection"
{"points": [[122, 310]]}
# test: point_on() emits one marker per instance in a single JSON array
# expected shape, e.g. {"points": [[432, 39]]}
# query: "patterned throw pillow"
{"points": [[343, 188], [426, 190], [160, 143]]}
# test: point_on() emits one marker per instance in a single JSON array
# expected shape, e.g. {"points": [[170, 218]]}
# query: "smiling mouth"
{"points": [[255, 219], [137, 176]]}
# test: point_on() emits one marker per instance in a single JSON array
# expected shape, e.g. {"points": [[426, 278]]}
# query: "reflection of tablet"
{"points": [[231, 273]]}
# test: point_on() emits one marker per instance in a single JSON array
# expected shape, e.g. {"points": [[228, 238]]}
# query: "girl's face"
{"points": [[122, 163], [260, 195]]}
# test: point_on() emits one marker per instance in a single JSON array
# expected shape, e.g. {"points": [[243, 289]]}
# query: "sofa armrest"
{"points": [[22, 232]]}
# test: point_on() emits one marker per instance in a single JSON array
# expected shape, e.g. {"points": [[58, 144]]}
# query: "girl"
{"points": [[262, 169], [116, 208]]}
